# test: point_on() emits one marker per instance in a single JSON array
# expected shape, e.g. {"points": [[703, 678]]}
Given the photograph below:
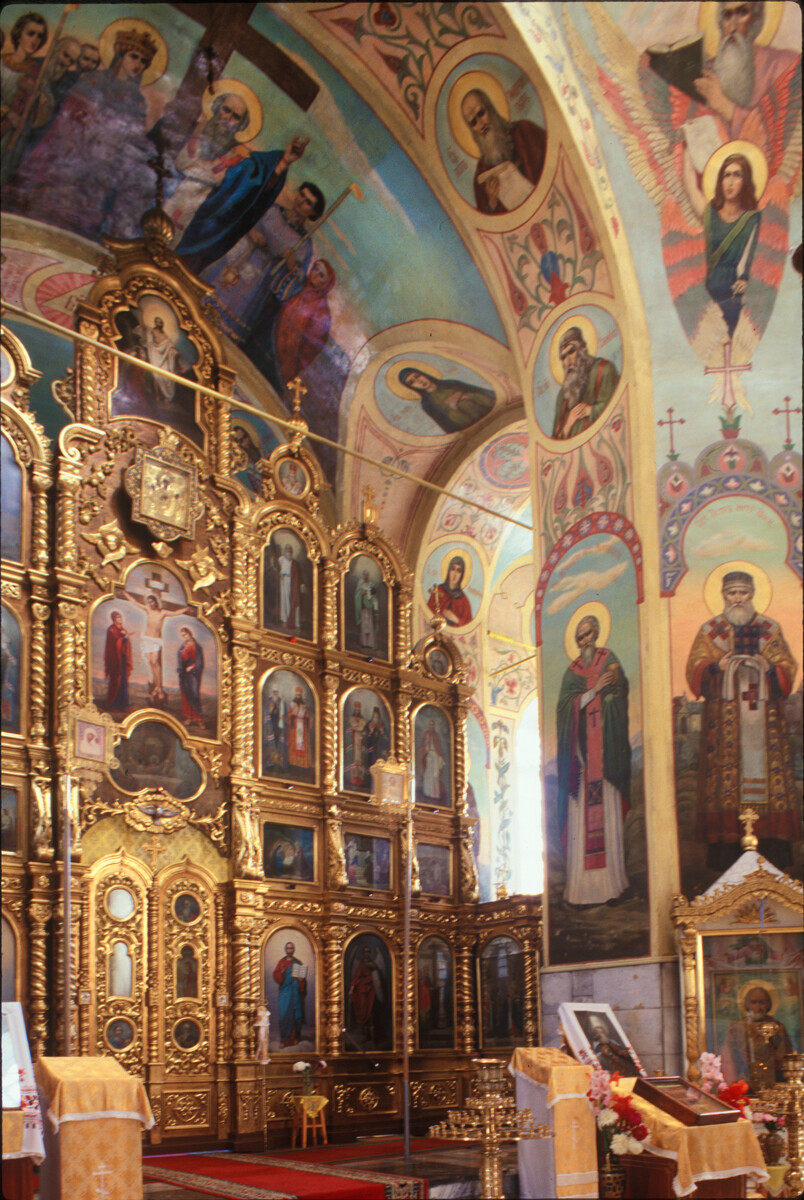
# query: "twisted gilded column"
{"points": [[464, 945], [93, 366], [329, 726], [40, 485], [531, 983], [459, 716], [403, 751], [691, 1014], [333, 1001], [220, 978], [336, 853], [242, 712], [39, 911], [38, 672], [240, 555], [404, 605], [67, 486], [84, 980], [329, 615], [241, 985], [155, 987]]}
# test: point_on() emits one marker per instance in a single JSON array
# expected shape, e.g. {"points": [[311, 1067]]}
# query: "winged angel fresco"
{"points": [[716, 143]]}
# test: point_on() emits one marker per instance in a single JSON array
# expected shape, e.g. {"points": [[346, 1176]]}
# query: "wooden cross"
{"points": [[787, 411], [671, 421], [728, 399], [299, 390]]}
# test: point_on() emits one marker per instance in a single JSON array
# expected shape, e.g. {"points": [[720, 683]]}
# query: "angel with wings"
{"points": [[716, 143]]}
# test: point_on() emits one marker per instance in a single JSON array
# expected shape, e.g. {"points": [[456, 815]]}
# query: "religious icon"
{"points": [[369, 983], [119, 1033], [10, 707], [120, 970], [368, 861], [438, 661], [434, 869], [596, 1037], [502, 992], [288, 581], [164, 493], [436, 1004], [187, 1034], [186, 908], [292, 477], [10, 503], [447, 585], [288, 727], [365, 608], [431, 387], [186, 969], [290, 990], [154, 757], [8, 824], [433, 756], [90, 740], [289, 852], [366, 733], [120, 903]]}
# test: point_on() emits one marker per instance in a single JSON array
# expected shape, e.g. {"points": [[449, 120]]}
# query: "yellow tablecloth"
{"points": [[701, 1151], [86, 1089], [574, 1145], [312, 1105], [12, 1133], [93, 1133]]}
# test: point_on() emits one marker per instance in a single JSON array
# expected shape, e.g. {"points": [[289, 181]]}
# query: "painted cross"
{"points": [[103, 1171], [751, 695], [728, 399], [671, 421], [787, 411], [299, 390], [155, 851]]}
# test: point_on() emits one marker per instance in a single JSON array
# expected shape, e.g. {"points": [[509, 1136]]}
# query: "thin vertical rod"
{"points": [[68, 919], [406, 981]]}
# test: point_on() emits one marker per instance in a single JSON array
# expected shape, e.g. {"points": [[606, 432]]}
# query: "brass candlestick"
{"points": [[492, 1118], [787, 1100]]}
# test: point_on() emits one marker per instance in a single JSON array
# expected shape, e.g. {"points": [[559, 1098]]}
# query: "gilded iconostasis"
{"points": [[534, 267]]}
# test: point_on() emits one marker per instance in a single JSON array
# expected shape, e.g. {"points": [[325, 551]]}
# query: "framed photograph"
{"points": [[595, 1036], [501, 970], [368, 861], [289, 852], [748, 977], [435, 872], [681, 1099]]}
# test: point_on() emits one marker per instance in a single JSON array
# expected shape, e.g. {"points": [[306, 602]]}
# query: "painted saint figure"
{"points": [[731, 228], [511, 158], [448, 598], [118, 661], [609, 1050], [453, 405], [292, 980], [300, 721], [190, 668], [290, 590], [745, 1043], [157, 348], [366, 608], [432, 765], [19, 74], [303, 323], [742, 668], [151, 640], [203, 161], [366, 994], [274, 731], [354, 772], [375, 740], [594, 770], [589, 384]]}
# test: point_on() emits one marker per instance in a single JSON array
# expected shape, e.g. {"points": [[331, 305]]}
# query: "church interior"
{"points": [[402, 599]]}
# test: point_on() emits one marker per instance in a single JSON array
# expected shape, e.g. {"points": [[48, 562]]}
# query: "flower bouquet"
{"points": [[309, 1071], [734, 1094], [621, 1127]]}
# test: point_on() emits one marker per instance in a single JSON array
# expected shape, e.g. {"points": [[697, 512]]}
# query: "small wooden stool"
{"points": [[308, 1113]]}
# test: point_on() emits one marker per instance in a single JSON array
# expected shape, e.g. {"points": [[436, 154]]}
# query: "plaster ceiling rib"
{"points": [[237, 402]]}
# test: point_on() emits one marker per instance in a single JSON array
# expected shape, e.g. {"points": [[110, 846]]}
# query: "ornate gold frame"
{"points": [[762, 902]]}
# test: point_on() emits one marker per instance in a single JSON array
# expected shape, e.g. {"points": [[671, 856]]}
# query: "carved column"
{"points": [[530, 953], [467, 867], [329, 726], [336, 853], [241, 973], [243, 712], [38, 669], [240, 554], [459, 715], [404, 605], [83, 982], [225, 384], [39, 911], [91, 372], [467, 1021], [40, 484], [329, 615], [333, 1001], [155, 985], [403, 751], [68, 484], [691, 1015], [221, 987], [65, 683]]}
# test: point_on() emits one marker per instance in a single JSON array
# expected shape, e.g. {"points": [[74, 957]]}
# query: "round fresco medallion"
{"points": [[186, 908], [119, 1033], [505, 463], [187, 1034]]}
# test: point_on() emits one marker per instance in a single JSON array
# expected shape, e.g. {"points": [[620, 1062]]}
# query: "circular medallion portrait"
{"points": [[119, 1033], [293, 477], [119, 903], [186, 1034], [186, 908], [438, 661], [577, 372], [491, 133]]}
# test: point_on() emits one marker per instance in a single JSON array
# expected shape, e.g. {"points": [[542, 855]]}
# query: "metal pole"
{"points": [[406, 981], [68, 916]]}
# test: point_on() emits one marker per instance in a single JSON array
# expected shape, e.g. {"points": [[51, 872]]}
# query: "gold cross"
{"points": [[154, 852], [747, 817], [299, 390]]}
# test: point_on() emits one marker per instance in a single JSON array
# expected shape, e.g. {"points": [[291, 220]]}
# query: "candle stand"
{"points": [[787, 1100], [491, 1118]]}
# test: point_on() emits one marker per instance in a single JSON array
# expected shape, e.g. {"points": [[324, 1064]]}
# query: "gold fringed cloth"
{"points": [[95, 1112], [573, 1150], [312, 1105], [701, 1151]]}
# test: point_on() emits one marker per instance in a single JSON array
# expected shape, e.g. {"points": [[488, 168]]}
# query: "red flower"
{"points": [[640, 1132], [735, 1094]]}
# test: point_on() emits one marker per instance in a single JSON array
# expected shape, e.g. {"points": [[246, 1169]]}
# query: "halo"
{"points": [[496, 94], [465, 558], [236, 88], [763, 589], [159, 62], [587, 328], [595, 608], [759, 166], [770, 988], [152, 306], [399, 389], [707, 22]]}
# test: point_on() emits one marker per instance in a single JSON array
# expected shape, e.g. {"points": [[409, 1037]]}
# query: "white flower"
{"points": [[605, 1117], [301, 1066], [322, 1066], [619, 1143], [634, 1147]]}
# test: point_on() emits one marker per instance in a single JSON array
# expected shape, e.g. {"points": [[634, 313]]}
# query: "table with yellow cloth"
{"points": [[94, 1114], [701, 1152], [553, 1086], [308, 1112]]}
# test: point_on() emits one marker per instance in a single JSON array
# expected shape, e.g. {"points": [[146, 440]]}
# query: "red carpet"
{"points": [[367, 1149], [255, 1177]]}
